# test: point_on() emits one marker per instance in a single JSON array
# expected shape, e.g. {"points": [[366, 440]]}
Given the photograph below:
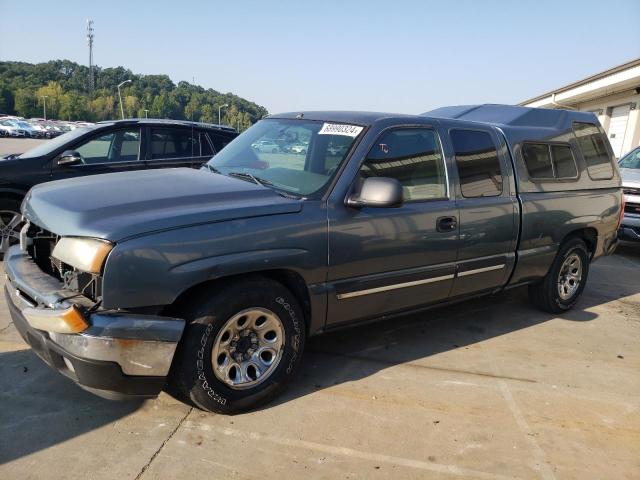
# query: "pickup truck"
{"points": [[208, 282]]}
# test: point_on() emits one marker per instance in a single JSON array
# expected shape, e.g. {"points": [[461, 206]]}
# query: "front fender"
{"points": [[153, 270]]}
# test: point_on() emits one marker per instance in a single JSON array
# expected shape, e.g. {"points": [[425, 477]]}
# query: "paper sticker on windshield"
{"points": [[340, 129]]}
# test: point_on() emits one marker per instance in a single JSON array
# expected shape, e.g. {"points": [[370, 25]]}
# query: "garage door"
{"points": [[618, 127]]}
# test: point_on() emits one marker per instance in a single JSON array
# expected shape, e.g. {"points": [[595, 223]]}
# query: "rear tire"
{"points": [[217, 337], [561, 288]]}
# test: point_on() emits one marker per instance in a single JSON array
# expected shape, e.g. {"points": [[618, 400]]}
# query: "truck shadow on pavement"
{"points": [[40, 408], [356, 353]]}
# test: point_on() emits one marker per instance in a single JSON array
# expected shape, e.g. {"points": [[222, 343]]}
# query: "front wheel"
{"points": [[10, 224], [241, 347], [561, 288]]}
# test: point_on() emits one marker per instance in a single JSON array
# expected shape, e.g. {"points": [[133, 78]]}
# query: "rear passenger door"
{"points": [[487, 209], [170, 147]]}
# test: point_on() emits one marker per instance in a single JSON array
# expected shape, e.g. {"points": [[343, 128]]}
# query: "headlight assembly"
{"points": [[86, 254]]}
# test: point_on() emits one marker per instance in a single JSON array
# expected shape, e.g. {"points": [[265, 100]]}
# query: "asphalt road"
{"points": [[489, 389], [17, 145]]}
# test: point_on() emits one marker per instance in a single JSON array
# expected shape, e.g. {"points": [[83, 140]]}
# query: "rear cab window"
{"points": [[478, 163], [594, 150]]}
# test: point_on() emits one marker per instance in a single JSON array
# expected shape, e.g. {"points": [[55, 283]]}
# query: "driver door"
{"points": [[388, 260], [106, 152]]}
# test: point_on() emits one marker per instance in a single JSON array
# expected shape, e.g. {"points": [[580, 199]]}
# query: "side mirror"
{"points": [[380, 192], [68, 158]]}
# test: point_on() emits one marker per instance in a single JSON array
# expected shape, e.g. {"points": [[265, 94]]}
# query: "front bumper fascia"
{"points": [[630, 227], [117, 354]]}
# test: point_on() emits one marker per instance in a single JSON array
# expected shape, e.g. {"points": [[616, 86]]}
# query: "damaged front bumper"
{"points": [[111, 353]]}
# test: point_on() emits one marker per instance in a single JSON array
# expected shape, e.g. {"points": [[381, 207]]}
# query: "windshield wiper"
{"points": [[212, 169], [248, 176], [264, 183]]}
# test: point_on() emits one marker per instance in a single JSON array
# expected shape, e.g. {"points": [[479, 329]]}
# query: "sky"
{"points": [[396, 56]]}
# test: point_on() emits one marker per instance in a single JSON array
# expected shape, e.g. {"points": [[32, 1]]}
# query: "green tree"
{"points": [[25, 102], [65, 83], [53, 91]]}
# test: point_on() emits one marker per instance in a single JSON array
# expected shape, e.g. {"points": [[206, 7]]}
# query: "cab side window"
{"points": [[174, 143], [117, 146], [413, 157], [478, 163]]}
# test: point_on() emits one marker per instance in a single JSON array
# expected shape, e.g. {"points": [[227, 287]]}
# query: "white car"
{"points": [[268, 146], [630, 172], [11, 129], [298, 148]]}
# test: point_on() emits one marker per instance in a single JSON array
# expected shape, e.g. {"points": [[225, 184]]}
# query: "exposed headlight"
{"points": [[86, 254]]}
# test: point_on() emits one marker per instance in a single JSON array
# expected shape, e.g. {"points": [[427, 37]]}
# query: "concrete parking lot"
{"points": [[490, 388]]}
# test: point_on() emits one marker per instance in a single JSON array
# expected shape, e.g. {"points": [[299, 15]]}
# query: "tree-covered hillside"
{"points": [[65, 84]]}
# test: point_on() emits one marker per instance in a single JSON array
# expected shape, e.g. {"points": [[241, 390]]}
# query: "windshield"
{"points": [[51, 145], [631, 159], [296, 156]]}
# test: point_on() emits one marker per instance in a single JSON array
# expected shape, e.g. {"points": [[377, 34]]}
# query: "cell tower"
{"points": [[90, 42]]}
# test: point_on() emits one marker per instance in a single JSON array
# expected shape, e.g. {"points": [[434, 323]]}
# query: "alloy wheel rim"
{"points": [[570, 276], [10, 226], [248, 348]]}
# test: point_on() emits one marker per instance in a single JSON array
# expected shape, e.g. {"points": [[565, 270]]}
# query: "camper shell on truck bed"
{"points": [[553, 201]]}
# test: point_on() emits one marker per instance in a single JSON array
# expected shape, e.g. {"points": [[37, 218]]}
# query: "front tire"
{"points": [[242, 345], [10, 224], [561, 288]]}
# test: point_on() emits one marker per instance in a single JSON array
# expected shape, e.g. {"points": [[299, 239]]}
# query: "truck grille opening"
{"points": [[40, 245], [632, 208]]}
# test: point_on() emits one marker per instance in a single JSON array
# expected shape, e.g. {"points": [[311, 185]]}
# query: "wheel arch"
{"points": [[290, 279], [587, 234], [13, 193]]}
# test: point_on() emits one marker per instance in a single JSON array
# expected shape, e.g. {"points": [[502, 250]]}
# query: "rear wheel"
{"points": [[10, 224], [562, 286], [241, 347]]}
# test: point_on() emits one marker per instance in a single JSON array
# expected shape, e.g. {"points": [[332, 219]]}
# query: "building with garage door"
{"points": [[613, 95]]}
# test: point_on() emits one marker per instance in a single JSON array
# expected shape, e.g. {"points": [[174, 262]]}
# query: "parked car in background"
{"points": [[11, 129], [267, 146], [212, 279], [30, 131], [39, 128], [105, 147], [298, 148], [630, 170]]}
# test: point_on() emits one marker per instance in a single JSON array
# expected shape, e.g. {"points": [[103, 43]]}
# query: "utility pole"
{"points": [[44, 99], [90, 43]]}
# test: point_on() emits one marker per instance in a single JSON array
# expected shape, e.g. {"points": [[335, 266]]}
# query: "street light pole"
{"points": [[44, 99], [219, 110], [120, 97], [146, 113]]}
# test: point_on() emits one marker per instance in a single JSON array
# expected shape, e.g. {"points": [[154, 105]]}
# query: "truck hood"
{"points": [[116, 206]]}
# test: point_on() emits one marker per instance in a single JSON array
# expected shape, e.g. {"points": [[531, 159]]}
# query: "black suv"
{"points": [[105, 147]]}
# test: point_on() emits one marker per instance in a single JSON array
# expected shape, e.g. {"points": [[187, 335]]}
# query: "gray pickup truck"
{"points": [[207, 282]]}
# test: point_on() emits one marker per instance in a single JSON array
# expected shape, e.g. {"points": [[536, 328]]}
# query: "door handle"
{"points": [[446, 224]]}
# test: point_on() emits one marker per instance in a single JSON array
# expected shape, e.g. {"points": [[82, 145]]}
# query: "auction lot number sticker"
{"points": [[340, 129]]}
